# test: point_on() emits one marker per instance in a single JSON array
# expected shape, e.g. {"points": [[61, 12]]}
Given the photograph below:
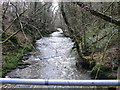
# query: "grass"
{"points": [[12, 60]]}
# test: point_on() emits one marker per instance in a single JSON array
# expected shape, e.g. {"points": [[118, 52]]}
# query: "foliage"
{"points": [[22, 24], [12, 60], [93, 31], [92, 64], [102, 72], [90, 29]]}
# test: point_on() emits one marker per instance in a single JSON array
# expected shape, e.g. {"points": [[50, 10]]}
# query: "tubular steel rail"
{"points": [[60, 82]]}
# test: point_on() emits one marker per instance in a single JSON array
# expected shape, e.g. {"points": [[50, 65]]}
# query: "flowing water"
{"points": [[52, 61]]}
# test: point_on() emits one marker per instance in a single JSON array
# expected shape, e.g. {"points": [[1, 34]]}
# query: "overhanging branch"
{"points": [[98, 14]]}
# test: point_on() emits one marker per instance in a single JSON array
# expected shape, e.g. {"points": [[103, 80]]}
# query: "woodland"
{"points": [[92, 26]]}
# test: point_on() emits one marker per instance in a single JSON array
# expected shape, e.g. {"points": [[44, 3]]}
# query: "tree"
{"points": [[98, 14]]}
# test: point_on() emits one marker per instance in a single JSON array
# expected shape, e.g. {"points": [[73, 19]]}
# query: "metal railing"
{"points": [[60, 82]]}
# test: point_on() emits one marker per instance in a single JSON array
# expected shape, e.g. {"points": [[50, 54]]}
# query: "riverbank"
{"points": [[13, 60], [55, 61], [15, 49], [101, 69]]}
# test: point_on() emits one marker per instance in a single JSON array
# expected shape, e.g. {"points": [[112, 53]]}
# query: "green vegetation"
{"points": [[12, 60], [94, 29], [102, 72], [22, 25], [92, 64], [112, 88], [92, 26]]}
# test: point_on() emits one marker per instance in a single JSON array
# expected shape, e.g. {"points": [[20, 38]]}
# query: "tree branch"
{"points": [[98, 14]]}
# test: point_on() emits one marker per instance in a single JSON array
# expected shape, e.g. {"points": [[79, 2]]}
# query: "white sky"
{"points": [[55, 5]]}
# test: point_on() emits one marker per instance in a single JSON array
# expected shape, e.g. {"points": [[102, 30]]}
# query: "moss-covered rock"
{"points": [[23, 63]]}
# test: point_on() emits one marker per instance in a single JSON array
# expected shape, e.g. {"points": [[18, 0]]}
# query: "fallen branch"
{"points": [[100, 39], [1, 42]]}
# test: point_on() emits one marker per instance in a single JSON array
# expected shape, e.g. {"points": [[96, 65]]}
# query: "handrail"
{"points": [[60, 82]]}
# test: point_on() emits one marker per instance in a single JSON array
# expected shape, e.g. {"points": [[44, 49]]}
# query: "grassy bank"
{"points": [[12, 59]]}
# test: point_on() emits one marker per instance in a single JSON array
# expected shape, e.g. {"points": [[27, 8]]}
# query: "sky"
{"points": [[55, 5]]}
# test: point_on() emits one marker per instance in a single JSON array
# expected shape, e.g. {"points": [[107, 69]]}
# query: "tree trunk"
{"points": [[35, 6], [118, 72], [118, 75], [71, 32]]}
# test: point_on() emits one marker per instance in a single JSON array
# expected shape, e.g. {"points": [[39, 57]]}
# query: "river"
{"points": [[52, 60]]}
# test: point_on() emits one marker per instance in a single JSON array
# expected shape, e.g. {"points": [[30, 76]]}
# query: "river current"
{"points": [[52, 60]]}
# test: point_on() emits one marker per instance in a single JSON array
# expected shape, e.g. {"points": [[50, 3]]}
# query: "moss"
{"points": [[111, 87], [92, 64], [23, 63], [101, 71], [0, 73], [4, 72], [20, 63], [28, 48], [9, 66], [112, 76], [12, 60], [74, 52]]}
